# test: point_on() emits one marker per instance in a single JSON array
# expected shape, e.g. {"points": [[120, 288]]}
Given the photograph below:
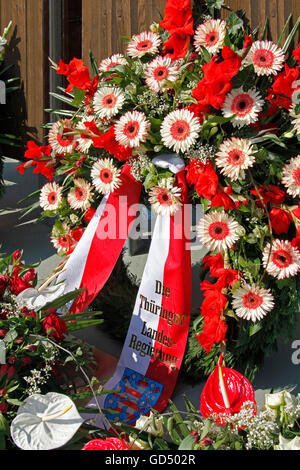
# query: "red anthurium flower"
{"points": [[280, 220], [225, 392], [112, 443]]}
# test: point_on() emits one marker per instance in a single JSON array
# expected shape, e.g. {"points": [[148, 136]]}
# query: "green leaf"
{"points": [[84, 324], [79, 316], [206, 429], [179, 420], [284, 30], [206, 54], [215, 4], [254, 328], [11, 335], [14, 401], [30, 196], [62, 98], [78, 97], [94, 64], [291, 36], [63, 300], [235, 23], [187, 443]]}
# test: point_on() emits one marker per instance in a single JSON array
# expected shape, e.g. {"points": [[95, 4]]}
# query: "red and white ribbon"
{"points": [[97, 252], [147, 370]]}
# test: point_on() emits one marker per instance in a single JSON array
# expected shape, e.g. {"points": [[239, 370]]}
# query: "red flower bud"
{"points": [[16, 255], [12, 359], [3, 407], [30, 275], [25, 361]]}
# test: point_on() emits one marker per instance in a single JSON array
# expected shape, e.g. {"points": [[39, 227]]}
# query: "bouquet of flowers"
{"points": [[226, 100], [38, 352]]}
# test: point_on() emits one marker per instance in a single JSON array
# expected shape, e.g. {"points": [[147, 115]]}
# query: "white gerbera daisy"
{"points": [[266, 57], [246, 105], [218, 231], [211, 35], [59, 137], [84, 143], [165, 198], [113, 61], [132, 129], [50, 197], [179, 130], [108, 101], [105, 176], [252, 302], [284, 260], [62, 240], [291, 177], [296, 119], [143, 43], [235, 155], [80, 196], [159, 70]]}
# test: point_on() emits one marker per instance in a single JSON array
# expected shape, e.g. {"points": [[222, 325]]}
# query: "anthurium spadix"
{"points": [[45, 422]]}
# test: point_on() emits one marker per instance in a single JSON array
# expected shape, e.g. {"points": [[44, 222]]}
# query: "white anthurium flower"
{"points": [[286, 444], [45, 422], [35, 300]]}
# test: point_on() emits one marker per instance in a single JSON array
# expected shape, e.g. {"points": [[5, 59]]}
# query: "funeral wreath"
{"points": [[226, 100]]}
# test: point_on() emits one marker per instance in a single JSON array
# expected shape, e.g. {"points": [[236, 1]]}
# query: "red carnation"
{"points": [[280, 220], [55, 327]]}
